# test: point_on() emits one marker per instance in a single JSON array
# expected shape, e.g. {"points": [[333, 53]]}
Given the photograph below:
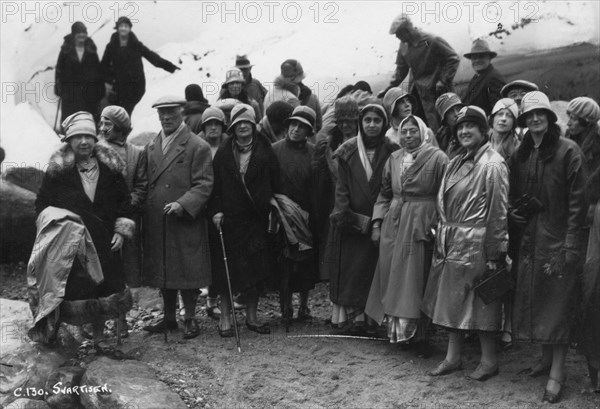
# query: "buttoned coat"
{"points": [[184, 175], [472, 207], [484, 89]]}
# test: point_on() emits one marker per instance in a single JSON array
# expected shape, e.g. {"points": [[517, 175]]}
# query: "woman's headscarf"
{"points": [[364, 144], [409, 156]]}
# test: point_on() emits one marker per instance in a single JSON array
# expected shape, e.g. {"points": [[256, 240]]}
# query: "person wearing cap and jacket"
{"points": [[246, 178], [85, 180], [297, 183], [180, 181], [471, 238], [252, 86], [78, 76], [549, 206], [194, 107], [448, 106], [432, 61], [484, 88], [123, 67], [233, 87], [350, 256]]}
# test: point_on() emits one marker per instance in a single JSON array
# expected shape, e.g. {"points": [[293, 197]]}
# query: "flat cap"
{"points": [[169, 101]]}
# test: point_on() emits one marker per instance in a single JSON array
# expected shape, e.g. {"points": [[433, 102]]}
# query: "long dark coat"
{"points": [[109, 213], [484, 89], [185, 175], [79, 83], [546, 288], [350, 256], [123, 67], [246, 214]]}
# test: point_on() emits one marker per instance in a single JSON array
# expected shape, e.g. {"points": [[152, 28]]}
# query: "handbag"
{"points": [[494, 284]]}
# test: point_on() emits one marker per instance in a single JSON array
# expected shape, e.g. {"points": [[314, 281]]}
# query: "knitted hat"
{"points": [[303, 114], [399, 22], [472, 113], [241, 112], [529, 86], [193, 92], [168, 101], [584, 108], [212, 113], [118, 116], [123, 20], [506, 103], [279, 111], [447, 101], [535, 100], [292, 70], [241, 61], [395, 94], [480, 46], [233, 75], [78, 27], [346, 108], [79, 123]]}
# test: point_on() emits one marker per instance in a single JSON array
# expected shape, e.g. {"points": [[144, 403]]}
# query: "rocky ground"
{"points": [[307, 368]]}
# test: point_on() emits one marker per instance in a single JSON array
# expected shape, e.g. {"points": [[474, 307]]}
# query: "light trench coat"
{"points": [[406, 206], [472, 206]]}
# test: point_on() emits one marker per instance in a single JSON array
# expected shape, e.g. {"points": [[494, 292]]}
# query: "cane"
{"points": [[237, 335], [164, 267]]}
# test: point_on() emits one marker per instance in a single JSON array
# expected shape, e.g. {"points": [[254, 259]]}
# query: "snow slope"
{"points": [[336, 42]]}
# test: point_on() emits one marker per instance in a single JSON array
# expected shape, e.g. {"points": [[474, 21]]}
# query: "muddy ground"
{"points": [[284, 370]]}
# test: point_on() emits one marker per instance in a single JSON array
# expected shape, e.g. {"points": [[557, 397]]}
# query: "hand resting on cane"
{"points": [[218, 220]]}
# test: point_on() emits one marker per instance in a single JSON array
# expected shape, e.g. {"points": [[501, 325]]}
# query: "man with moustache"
{"points": [[180, 181]]}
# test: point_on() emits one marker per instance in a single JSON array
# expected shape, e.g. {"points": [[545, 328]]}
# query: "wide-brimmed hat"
{"points": [[303, 114], [169, 101], [233, 75], [212, 113], [79, 123], [292, 70], [241, 61], [527, 85], [472, 113], [585, 108], [241, 112], [532, 101], [445, 102], [480, 46]]}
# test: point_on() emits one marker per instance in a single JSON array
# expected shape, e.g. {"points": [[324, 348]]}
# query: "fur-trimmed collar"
{"points": [[132, 41], [69, 45], [547, 148], [64, 159], [291, 86]]}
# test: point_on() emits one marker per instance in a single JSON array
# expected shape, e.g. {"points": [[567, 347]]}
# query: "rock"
{"points": [[23, 403], [24, 364], [17, 222], [147, 298], [64, 377], [129, 383]]}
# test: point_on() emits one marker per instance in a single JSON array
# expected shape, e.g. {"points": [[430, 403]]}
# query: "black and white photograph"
{"points": [[300, 204]]}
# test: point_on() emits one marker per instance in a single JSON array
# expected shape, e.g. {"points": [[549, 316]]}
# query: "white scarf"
{"points": [[364, 159], [409, 157]]}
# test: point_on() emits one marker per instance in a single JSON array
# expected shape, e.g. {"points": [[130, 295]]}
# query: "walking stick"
{"points": [[164, 268], [237, 335]]}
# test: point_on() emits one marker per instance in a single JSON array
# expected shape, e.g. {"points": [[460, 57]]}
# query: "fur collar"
{"points": [[133, 40], [547, 148], [347, 149], [291, 86], [64, 159], [68, 45]]}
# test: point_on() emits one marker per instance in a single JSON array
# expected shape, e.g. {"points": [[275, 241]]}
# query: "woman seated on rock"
{"points": [[84, 185]]}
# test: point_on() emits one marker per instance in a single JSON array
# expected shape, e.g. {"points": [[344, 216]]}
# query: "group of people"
{"points": [[406, 204]]}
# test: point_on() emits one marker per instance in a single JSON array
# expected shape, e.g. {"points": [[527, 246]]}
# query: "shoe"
{"points": [[552, 397], [304, 314], [506, 345], [259, 329], [539, 370], [445, 367], [484, 372], [213, 312], [160, 326], [191, 329], [226, 333]]}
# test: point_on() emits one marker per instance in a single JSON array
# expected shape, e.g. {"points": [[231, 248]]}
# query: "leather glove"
{"points": [[376, 234]]}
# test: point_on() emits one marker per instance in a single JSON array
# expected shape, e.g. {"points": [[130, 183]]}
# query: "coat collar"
{"points": [[158, 162], [547, 148], [459, 162], [64, 159]]}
